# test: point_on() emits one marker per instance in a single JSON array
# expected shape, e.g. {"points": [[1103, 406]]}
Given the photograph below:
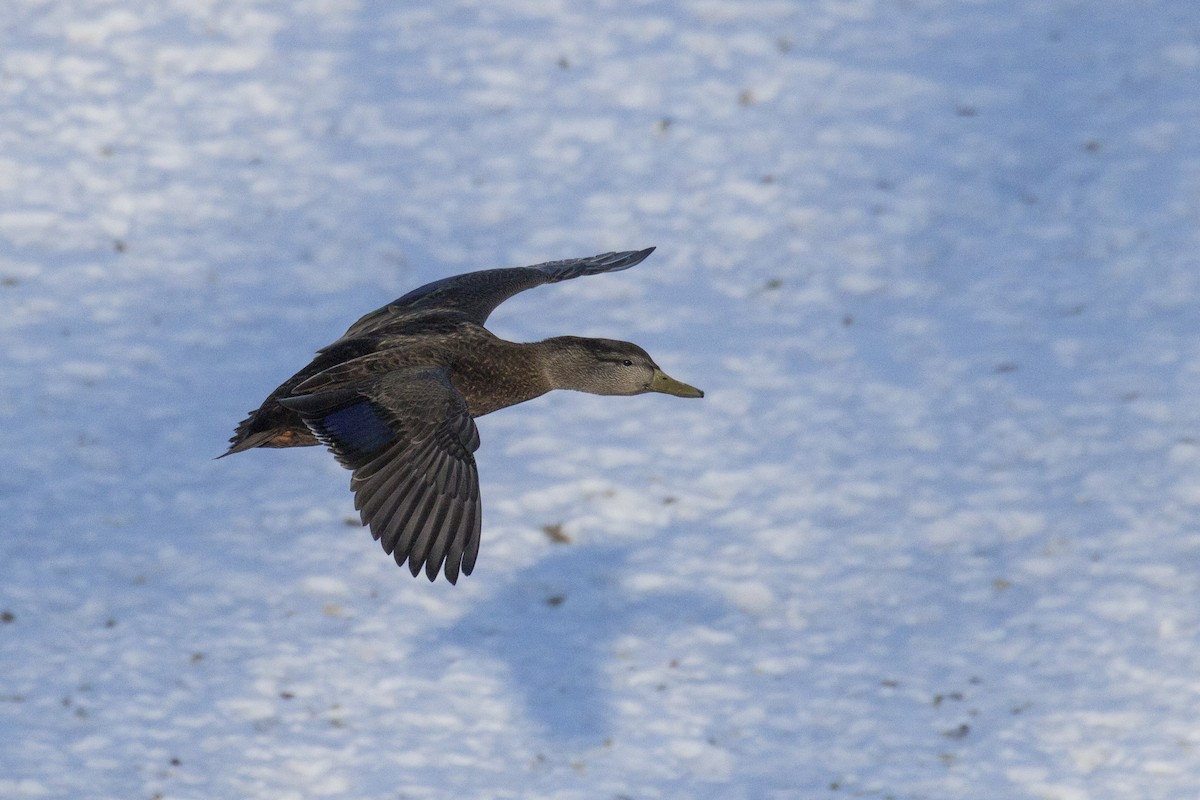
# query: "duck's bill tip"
{"points": [[664, 383]]}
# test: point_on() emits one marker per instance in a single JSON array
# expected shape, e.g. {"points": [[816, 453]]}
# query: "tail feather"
{"points": [[270, 425]]}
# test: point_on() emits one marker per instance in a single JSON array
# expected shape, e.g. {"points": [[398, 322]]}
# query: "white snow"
{"points": [[933, 533]]}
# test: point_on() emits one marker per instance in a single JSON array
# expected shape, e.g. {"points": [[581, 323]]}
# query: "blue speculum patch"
{"points": [[358, 428]]}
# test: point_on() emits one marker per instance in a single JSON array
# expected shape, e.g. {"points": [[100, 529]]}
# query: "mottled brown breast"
{"points": [[493, 374]]}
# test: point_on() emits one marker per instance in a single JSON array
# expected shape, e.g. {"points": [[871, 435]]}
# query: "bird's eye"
{"points": [[627, 363]]}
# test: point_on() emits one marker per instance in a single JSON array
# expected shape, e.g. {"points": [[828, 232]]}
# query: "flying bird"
{"points": [[396, 397]]}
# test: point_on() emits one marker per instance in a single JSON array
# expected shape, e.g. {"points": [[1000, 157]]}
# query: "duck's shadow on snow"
{"points": [[557, 629]]}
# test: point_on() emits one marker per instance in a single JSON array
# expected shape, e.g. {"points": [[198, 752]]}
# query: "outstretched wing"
{"points": [[409, 440], [475, 295]]}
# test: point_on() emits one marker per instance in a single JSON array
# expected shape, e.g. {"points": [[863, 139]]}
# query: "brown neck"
{"points": [[507, 374], [563, 362]]}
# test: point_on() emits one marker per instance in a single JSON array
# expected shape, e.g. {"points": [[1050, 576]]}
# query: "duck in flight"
{"points": [[395, 400]]}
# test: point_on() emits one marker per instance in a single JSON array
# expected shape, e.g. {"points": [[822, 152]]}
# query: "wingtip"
{"points": [[642, 255], [629, 258]]}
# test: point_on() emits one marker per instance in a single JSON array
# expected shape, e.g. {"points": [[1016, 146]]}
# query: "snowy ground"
{"points": [[932, 534]]}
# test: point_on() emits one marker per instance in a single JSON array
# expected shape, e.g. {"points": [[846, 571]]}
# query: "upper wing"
{"points": [[409, 440], [476, 294]]}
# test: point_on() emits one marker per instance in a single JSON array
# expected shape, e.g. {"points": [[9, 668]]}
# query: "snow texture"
{"points": [[933, 533]]}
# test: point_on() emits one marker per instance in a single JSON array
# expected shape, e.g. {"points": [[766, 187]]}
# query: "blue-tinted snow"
{"points": [[934, 531]]}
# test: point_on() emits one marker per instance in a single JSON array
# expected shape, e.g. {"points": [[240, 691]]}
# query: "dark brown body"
{"points": [[395, 398], [488, 371]]}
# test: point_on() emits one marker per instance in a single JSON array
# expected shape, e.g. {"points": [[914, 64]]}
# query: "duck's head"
{"points": [[607, 366]]}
